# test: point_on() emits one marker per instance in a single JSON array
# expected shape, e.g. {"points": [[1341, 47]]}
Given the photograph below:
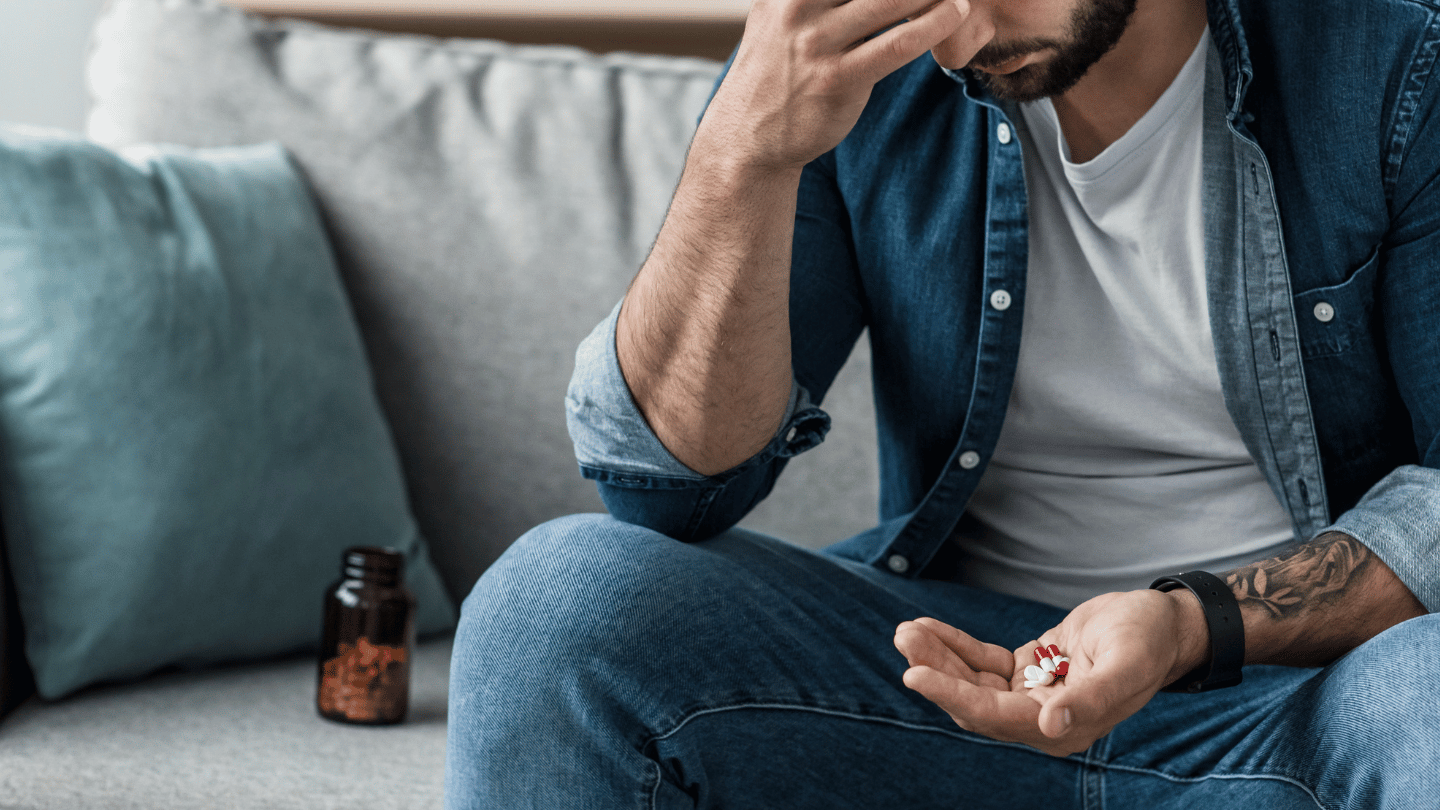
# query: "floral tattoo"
{"points": [[1308, 574]]}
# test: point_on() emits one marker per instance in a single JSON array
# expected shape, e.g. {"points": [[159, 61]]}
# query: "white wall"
{"points": [[42, 57]]}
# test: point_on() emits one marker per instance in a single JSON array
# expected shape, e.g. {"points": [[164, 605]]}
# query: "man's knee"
{"points": [[562, 598], [1387, 677], [542, 636], [559, 579], [1374, 717]]}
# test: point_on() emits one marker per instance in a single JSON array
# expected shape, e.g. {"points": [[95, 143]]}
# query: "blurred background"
{"points": [[43, 42], [42, 54]]}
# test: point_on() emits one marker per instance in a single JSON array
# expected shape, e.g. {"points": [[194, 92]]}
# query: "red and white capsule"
{"points": [[1062, 663], [1052, 667]]}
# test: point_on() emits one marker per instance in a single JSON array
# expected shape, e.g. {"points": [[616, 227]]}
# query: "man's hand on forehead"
{"points": [[805, 69]]}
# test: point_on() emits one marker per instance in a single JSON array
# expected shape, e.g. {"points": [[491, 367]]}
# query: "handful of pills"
{"points": [[1052, 667]]}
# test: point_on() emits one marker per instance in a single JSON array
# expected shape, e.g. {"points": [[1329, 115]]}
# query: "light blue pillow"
{"points": [[189, 436]]}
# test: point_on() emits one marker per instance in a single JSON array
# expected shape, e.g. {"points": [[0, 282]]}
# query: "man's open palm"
{"points": [[1123, 648]]}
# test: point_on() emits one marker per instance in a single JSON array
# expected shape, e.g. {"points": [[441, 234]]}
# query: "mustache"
{"points": [[995, 54]]}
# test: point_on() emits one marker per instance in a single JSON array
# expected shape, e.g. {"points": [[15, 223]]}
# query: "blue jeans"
{"points": [[603, 665]]}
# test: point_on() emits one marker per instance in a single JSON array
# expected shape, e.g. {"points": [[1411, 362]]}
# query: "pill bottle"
{"points": [[367, 640]]}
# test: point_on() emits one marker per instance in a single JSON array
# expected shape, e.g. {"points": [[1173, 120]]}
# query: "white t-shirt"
{"points": [[1118, 461]]}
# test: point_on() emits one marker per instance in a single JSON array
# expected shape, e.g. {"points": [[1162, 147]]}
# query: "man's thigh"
{"points": [[602, 665], [1358, 733]]}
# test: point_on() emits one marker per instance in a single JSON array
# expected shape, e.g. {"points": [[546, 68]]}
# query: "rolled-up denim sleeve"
{"points": [[639, 479], [1399, 520]]}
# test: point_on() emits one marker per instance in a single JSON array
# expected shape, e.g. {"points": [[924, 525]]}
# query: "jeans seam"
{"points": [[1092, 775], [1193, 779], [655, 787], [1087, 760], [959, 734]]}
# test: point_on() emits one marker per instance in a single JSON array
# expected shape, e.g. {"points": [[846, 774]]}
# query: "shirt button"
{"points": [[790, 435], [969, 459], [1000, 300], [1324, 313], [1003, 133], [898, 563]]}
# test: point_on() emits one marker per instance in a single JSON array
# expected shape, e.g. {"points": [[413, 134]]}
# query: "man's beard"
{"points": [[1095, 27]]}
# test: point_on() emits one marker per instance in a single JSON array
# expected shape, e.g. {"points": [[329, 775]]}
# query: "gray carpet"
{"points": [[239, 737]]}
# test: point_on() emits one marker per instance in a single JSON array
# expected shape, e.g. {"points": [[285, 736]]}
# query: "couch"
{"points": [[487, 204]]}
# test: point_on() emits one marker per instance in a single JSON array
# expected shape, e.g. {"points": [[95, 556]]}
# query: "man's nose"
{"points": [[956, 50]]}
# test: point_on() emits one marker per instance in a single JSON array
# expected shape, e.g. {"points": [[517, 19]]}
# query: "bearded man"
{"points": [[1151, 289]]}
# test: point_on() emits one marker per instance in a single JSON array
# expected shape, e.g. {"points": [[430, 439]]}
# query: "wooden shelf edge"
{"points": [[646, 11], [708, 39]]}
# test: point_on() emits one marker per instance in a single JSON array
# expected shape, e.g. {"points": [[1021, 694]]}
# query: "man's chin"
{"points": [[1020, 80], [1024, 84]]}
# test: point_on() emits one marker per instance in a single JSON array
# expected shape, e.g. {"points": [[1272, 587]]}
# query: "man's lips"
{"points": [[1008, 66]]}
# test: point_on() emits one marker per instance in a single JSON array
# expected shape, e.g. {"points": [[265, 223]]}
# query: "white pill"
{"points": [[1048, 664], [1039, 677]]}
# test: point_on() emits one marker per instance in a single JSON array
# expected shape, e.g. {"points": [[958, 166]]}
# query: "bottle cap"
{"points": [[382, 566]]}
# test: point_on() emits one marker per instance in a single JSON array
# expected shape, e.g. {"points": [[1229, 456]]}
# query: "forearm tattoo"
{"points": [[1304, 577]]}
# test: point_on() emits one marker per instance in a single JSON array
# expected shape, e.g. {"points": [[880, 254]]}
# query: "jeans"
{"points": [[602, 665]]}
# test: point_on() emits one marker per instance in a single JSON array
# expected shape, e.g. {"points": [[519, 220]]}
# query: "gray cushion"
{"points": [[488, 204], [191, 437], [239, 738]]}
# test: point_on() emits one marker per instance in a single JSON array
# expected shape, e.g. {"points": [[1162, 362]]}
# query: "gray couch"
{"points": [[488, 204]]}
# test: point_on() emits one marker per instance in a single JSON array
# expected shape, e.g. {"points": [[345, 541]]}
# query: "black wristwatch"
{"points": [[1227, 632]]}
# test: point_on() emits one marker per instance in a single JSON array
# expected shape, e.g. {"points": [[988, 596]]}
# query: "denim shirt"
{"points": [[1326, 320]]}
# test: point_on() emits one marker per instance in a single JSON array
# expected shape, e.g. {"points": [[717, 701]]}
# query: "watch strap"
{"points": [[1227, 631]]}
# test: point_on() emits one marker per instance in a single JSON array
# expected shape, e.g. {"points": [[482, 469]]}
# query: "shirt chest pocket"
{"points": [[1336, 319]]}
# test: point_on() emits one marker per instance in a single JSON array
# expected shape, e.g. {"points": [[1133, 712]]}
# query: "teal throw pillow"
{"points": [[189, 436]]}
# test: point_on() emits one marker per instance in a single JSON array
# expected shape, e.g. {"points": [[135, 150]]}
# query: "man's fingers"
{"points": [[901, 44], [995, 713], [998, 713], [831, 28], [976, 653], [922, 647], [854, 21]]}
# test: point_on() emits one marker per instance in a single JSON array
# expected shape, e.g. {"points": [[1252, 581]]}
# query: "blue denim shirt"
{"points": [[1321, 196]]}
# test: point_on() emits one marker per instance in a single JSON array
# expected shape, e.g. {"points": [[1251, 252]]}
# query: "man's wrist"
{"points": [[723, 159], [1225, 628], [1192, 634]]}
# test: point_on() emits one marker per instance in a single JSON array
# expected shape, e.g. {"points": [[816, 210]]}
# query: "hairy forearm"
{"points": [[704, 333], [1318, 601], [703, 337]]}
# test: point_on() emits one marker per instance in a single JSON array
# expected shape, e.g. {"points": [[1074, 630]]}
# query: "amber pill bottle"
{"points": [[367, 640]]}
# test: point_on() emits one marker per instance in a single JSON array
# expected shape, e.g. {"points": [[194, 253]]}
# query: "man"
{"points": [[1218, 227]]}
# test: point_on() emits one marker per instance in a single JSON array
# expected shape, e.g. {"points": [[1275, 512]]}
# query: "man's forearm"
{"points": [[1318, 601], [704, 333]]}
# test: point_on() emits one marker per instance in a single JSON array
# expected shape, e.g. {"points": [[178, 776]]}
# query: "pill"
{"points": [[1045, 680]]}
